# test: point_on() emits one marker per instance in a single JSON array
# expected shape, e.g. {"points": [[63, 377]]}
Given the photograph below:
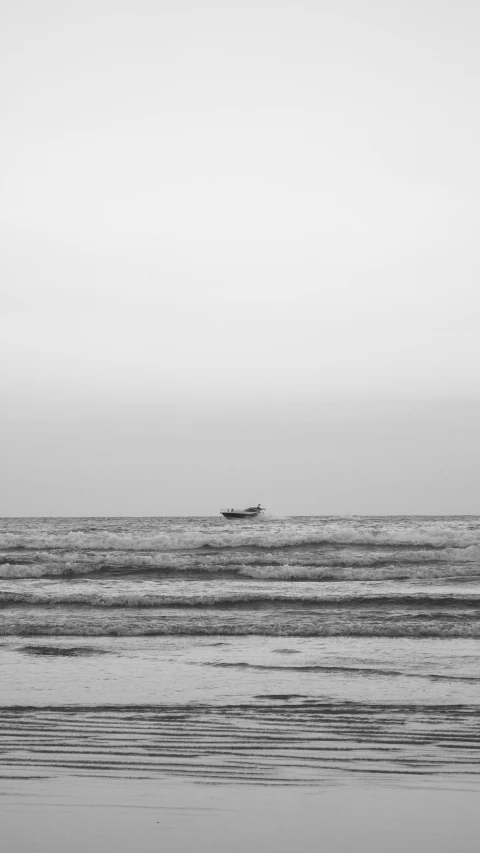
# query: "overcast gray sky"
{"points": [[239, 256]]}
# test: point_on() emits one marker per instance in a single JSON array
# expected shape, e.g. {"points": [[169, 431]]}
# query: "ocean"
{"points": [[276, 651]]}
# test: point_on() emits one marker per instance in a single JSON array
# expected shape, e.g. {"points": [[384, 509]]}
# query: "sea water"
{"points": [[269, 651]]}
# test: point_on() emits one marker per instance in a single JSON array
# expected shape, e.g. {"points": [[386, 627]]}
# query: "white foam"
{"points": [[293, 572], [260, 536], [206, 594]]}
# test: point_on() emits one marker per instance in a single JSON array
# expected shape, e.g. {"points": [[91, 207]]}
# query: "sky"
{"points": [[239, 257]]}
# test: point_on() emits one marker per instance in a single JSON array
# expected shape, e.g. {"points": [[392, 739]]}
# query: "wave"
{"points": [[236, 598], [251, 567], [261, 537], [256, 556], [64, 651], [354, 670], [372, 573], [388, 629]]}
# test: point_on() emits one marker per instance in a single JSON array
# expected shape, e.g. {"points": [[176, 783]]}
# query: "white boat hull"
{"points": [[242, 513]]}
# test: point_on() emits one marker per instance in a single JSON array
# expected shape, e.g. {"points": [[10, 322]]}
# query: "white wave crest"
{"points": [[392, 572], [268, 568], [351, 595], [391, 629], [262, 536]]}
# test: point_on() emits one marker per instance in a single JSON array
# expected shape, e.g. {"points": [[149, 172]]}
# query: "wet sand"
{"points": [[75, 815]]}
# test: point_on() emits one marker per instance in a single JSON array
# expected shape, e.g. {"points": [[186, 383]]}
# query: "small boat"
{"points": [[249, 512]]}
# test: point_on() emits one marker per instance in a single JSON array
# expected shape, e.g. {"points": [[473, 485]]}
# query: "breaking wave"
{"points": [[327, 534], [392, 630], [236, 598], [251, 567]]}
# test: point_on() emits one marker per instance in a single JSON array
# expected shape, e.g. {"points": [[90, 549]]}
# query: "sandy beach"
{"points": [[118, 816]]}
